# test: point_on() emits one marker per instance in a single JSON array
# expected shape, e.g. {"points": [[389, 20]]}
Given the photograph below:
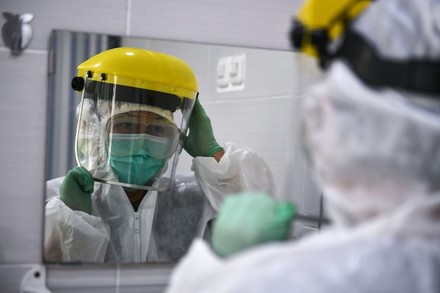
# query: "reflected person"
{"points": [[124, 202], [371, 128]]}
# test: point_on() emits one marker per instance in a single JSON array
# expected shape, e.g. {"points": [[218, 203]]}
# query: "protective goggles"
{"points": [[142, 129]]}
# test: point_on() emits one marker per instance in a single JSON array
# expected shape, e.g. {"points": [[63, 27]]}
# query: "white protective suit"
{"points": [[165, 223], [377, 157]]}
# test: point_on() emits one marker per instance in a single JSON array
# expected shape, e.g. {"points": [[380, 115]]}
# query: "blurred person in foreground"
{"points": [[371, 129]]}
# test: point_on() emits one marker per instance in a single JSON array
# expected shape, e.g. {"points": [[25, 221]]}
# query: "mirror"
{"points": [[156, 238]]}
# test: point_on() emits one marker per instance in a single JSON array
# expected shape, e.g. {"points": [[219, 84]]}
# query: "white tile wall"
{"points": [[22, 131], [267, 109], [256, 23], [103, 16]]}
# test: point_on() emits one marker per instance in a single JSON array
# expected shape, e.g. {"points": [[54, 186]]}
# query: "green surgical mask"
{"points": [[130, 159]]}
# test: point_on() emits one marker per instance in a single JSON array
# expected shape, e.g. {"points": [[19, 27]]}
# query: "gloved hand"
{"points": [[200, 141], [248, 219], [76, 190]]}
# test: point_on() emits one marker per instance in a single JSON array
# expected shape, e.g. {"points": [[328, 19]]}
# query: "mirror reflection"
{"points": [[134, 169]]}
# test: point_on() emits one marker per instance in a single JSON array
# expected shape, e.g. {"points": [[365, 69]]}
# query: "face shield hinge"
{"points": [[324, 40], [77, 83], [318, 38], [296, 34]]}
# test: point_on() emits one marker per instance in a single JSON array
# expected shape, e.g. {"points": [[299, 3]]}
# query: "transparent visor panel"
{"points": [[129, 136]]}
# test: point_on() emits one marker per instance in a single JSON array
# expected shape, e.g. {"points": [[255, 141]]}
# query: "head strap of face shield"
{"points": [[414, 75]]}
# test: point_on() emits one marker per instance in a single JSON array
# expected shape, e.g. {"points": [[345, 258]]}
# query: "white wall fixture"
{"points": [[231, 73], [222, 72], [17, 32], [34, 281]]}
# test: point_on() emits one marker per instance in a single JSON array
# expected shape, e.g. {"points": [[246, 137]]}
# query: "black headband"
{"points": [[105, 91]]}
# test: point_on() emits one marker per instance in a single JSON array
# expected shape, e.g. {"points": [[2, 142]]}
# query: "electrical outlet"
{"points": [[231, 73]]}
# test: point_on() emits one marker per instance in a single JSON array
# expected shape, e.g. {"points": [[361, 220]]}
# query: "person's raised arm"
{"points": [[200, 141]]}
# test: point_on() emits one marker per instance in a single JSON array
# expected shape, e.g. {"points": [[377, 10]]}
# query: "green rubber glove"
{"points": [[200, 141], [247, 219], [76, 190]]}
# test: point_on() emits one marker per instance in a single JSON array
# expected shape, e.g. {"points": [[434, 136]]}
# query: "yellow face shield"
{"points": [[133, 117]]}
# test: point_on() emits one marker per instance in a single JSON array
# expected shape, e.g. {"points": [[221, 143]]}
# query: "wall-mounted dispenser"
{"points": [[17, 32]]}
